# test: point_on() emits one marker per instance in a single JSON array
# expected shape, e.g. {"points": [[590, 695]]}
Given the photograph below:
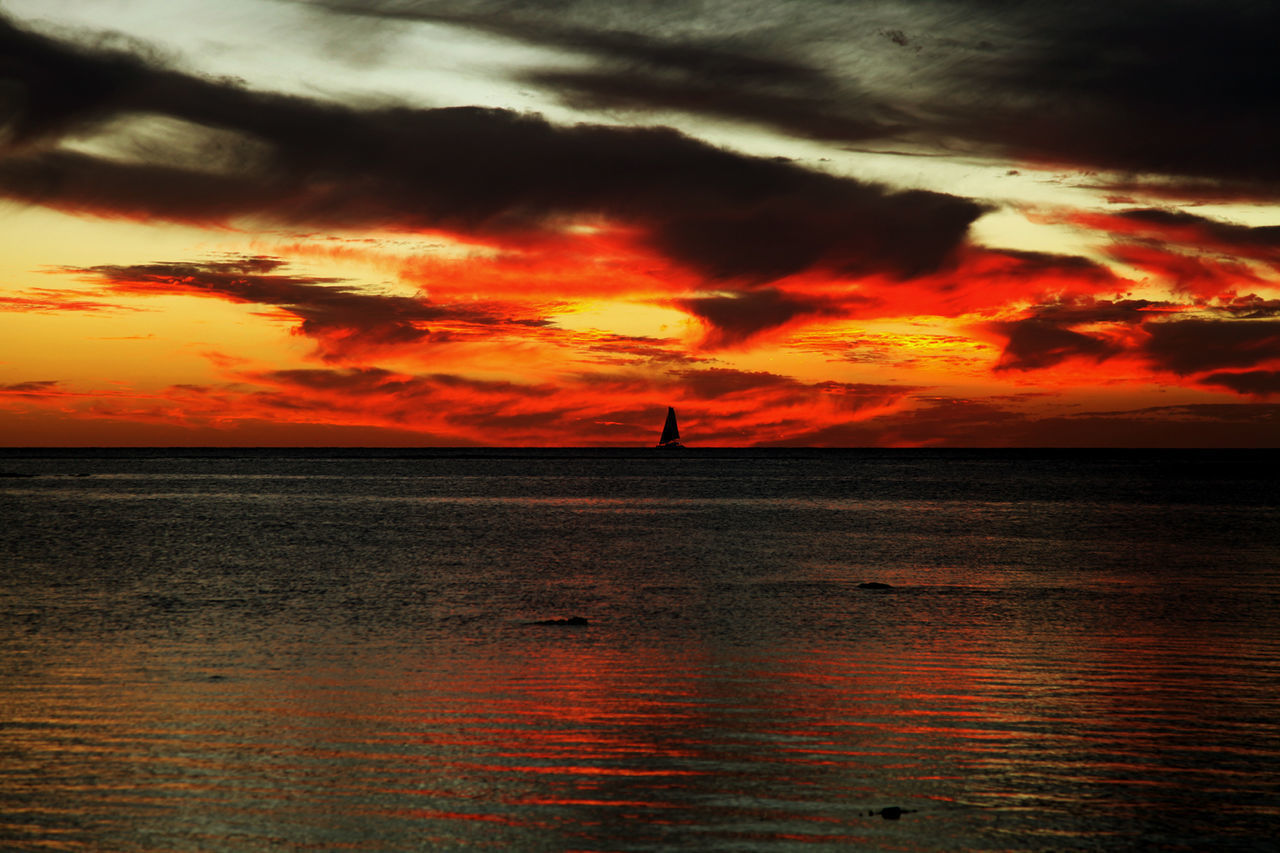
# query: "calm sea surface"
{"points": [[333, 650]]}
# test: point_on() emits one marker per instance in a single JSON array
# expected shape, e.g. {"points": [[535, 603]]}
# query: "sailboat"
{"points": [[670, 432]]}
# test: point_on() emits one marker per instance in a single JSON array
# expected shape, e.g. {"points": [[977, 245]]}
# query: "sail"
{"points": [[670, 432]]}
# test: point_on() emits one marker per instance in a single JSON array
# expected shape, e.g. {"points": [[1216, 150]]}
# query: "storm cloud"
{"points": [[482, 171], [1183, 89]]}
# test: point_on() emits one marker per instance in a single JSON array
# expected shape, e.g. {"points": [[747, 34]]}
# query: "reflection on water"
{"points": [[202, 659]]}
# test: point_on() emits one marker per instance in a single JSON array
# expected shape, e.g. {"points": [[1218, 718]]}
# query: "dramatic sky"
{"points": [[481, 222]]}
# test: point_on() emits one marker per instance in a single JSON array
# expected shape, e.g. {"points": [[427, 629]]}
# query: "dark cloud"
{"points": [[1035, 344], [1186, 247], [1219, 234], [342, 319], [353, 380], [481, 171], [381, 395], [638, 348], [1029, 264], [1045, 337], [712, 383], [1192, 346], [34, 387], [1249, 307], [1161, 332], [734, 319], [1088, 310], [1255, 383], [460, 405], [818, 222], [1133, 188], [1183, 89], [673, 63], [85, 184], [1170, 87], [516, 418], [49, 89], [611, 34], [815, 116]]}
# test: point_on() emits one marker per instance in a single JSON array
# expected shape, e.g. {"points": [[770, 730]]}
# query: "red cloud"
{"points": [[1188, 253], [343, 320], [596, 260], [1204, 276], [370, 407], [1188, 230], [979, 280], [717, 406], [985, 280], [1048, 333], [631, 348], [45, 300], [1165, 337]]}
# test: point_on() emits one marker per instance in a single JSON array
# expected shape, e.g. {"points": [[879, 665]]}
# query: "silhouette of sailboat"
{"points": [[670, 432]]}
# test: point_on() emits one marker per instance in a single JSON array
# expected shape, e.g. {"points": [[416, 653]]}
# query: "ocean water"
{"points": [[345, 650]]}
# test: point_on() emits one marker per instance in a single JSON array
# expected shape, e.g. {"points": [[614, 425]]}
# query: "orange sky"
{"points": [[465, 224]]}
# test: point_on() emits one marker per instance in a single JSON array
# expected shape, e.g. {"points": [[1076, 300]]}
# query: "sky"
{"points": [[965, 223]]}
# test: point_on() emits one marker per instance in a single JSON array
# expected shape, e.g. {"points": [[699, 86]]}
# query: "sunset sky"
{"points": [[475, 222]]}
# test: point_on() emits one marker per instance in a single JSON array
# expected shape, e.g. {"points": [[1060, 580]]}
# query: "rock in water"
{"points": [[891, 812]]}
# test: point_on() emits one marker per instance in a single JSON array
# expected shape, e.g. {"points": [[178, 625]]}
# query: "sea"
{"points": [[639, 650]]}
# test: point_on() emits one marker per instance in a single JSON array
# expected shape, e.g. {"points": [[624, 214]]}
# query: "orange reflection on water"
{"points": [[560, 732], [572, 770], [419, 813], [578, 702]]}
